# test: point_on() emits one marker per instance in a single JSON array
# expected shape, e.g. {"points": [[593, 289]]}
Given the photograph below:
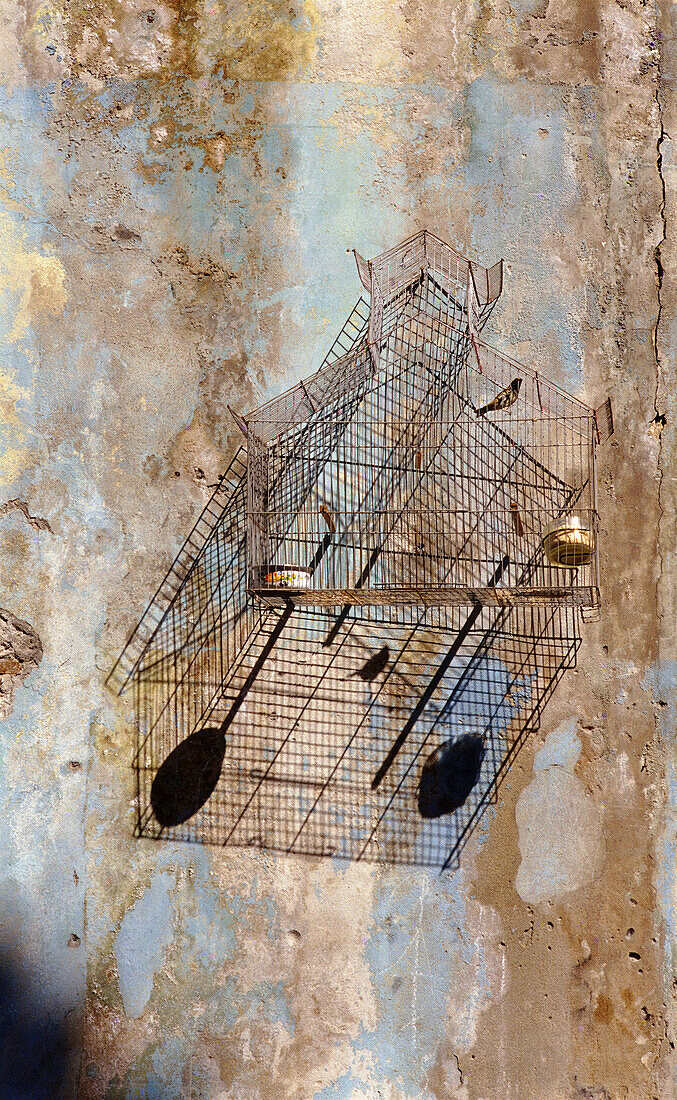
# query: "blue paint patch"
{"points": [[145, 933], [210, 928], [523, 184], [344, 1089], [415, 947], [526, 8], [562, 747]]}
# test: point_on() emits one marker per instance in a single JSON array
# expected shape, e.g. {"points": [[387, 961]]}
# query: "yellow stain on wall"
{"points": [[130, 39], [37, 278], [32, 285], [14, 454], [256, 39]]}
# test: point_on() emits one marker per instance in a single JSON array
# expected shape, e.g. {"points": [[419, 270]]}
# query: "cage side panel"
{"points": [[375, 321], [379, 460], [398, 267], [195, 651], [299, 515], [301, 403], [221, 503]]}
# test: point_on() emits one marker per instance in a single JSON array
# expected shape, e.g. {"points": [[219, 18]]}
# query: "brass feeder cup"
{"points": [[568, 543]]}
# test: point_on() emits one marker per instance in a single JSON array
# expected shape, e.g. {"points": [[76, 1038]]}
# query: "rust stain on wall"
{"points": [[130, 40]]}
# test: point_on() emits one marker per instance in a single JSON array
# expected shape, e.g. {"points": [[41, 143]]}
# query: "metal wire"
{"points": [[305, 745]]}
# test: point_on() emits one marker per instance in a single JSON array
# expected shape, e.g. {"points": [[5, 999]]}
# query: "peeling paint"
{"points": [[20, 654], [38, 523], [34, 280]]}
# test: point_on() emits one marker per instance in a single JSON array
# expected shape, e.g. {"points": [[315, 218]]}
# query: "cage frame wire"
{"points": [[428, 305], [297, 784]]}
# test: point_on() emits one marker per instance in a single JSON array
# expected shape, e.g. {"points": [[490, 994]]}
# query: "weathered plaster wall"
{"points": [[180, 186]]}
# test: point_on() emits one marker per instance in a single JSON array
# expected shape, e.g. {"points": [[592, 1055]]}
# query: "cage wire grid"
{"points": [[422, 495], [307, 738]]}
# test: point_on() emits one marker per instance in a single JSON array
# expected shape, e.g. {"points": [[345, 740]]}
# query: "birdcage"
{"points": [[420, 466]]}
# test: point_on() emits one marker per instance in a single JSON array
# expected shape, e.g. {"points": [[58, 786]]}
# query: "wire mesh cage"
{"points": [[422, 467], [310, 769], [370, 615]]}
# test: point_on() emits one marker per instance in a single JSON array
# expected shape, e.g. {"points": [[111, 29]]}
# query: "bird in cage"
{"points": [[517, 518], [502, 400], [328, 518]]}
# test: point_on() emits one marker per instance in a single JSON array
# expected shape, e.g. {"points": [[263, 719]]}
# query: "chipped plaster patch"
{"points": [[259, 40], [20, 654], [560, 828]]}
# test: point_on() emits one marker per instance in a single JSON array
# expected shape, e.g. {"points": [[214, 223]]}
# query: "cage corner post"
{"points": [[258, 519]]}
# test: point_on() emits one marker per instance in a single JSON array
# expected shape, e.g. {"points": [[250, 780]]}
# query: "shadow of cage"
{"points": [[331, 727]]}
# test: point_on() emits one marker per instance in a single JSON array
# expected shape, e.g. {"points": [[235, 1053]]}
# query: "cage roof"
{"points": [[385, 277], [388, 277]]}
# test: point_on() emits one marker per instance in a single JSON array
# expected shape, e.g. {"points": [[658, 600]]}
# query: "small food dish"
{"points": [[285, 576], [568, 542]]}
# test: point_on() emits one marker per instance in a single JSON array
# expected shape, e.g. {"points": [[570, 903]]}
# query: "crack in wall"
{"points": [[660, 693], [659, 419], [36, 522]]}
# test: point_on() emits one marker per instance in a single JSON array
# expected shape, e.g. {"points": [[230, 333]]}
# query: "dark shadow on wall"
{"points": [[33, 1044], [188, 777], [449, 775]]}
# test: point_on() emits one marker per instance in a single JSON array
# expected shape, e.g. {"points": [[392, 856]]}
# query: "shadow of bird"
{"points": [[449, 775], [328, 518], [502, 400], [374, 665], [188, 777]]}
